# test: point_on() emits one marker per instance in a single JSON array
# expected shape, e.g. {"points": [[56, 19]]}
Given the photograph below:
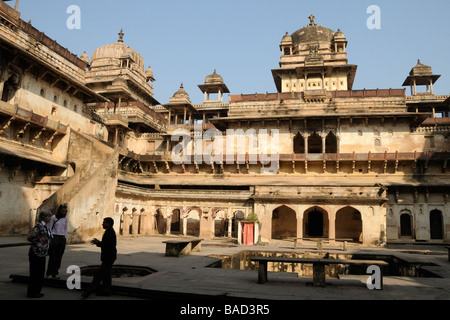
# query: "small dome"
{"points": [[84, 57], [180, 94], [108, 54], [287, 39], [214, 79], [339, 35], [421, 69], [312, 33]]}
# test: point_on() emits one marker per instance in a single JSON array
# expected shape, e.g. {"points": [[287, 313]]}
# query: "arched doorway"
{"points": [[436, 225], [284, 223], [220, 224], [331, 143], [405, 225], [299, 144], [193, 222], [349, 224], [316, 223], [314, 143], [175, 225]]}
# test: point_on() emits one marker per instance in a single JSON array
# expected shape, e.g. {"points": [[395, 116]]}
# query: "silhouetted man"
{"points": [[103, 278]]}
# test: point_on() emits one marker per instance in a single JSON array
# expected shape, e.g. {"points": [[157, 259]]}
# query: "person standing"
{"points": [[58, 228], [40, 239], [103, 278]]}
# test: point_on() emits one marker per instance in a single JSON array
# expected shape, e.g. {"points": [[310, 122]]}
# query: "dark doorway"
{"points": [[436, 226], [175, 222], [299, 144], [331, 143], [315, 223], [405, 225], [314, 143], [284, 223]]}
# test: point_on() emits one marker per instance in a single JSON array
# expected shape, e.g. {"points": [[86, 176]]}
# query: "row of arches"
{"points": [[189, 223], [316, 224], [315, 143], [436, 221]]}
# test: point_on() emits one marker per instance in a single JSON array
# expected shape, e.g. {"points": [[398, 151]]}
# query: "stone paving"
{"points": [[189, 277]]}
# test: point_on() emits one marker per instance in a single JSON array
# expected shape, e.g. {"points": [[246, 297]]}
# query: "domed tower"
{"points": [[314, 58], [118, 72], [421, 75], [180, 108], [214, 84]]}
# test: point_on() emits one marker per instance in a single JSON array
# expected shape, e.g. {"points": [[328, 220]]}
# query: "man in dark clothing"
{"points": [[103, 278]]}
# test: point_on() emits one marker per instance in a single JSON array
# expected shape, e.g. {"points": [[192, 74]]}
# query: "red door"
{"points": [[248, 235]]}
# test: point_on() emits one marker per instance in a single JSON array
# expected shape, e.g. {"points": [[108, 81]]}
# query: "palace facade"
{"points": [[316, 159]]}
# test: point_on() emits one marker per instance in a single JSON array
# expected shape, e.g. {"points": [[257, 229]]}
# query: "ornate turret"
{"points": [[214, 84], [421, 75], [314, 58]]}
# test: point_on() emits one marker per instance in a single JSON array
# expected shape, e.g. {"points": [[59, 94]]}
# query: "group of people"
{"points": [[48, 238]]}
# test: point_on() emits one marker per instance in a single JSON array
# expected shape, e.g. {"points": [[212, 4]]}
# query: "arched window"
{"points": [[314, 143], [299, 144], [331, 143]]}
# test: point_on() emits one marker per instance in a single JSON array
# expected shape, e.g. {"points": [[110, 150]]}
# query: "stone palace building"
{"points": [[316, 159]]}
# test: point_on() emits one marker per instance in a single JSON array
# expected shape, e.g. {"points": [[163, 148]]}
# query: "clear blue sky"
{"points": [[184, 41]]}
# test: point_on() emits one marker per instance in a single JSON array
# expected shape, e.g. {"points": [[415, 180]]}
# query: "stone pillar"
{"points": [[143, 229], [206, 224], [305, 137], [239, 233], [168, 220], [324, 142], [332, 226], [126, 224], [185, 219], [229, 217], [135, 223], [299, 226]]}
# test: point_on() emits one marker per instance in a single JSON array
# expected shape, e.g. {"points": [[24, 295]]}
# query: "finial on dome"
{"points": [[311, 20], [121, 34]]}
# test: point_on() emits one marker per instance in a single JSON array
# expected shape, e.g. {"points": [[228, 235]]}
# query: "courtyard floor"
{"points": [[190, 278]]}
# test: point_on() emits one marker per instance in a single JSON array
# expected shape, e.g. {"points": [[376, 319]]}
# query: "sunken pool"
{"points": [[397, 266], [119, 271]]}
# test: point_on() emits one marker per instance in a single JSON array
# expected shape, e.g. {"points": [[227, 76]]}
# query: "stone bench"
{"points": [[318, 266], [175, 248]]}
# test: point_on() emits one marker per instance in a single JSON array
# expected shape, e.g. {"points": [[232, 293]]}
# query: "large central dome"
{"points": [[312, 33], [112, 53]]}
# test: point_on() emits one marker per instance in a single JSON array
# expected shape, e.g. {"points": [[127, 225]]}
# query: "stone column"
{"points": [[206, 232], [126, 224], [332, 226], [185, 219], [168, 220], [305, 138], [229, 217], [324, 141], [239, 233], [299, 225], [135, 223]]}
